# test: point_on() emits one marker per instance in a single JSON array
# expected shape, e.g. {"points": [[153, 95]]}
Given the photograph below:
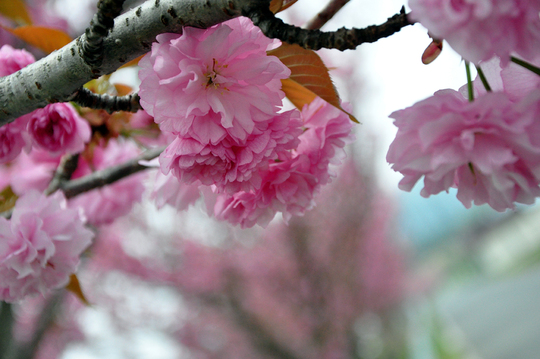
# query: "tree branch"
{"points": [[97, 179], [58, 76], [87, 98], [326, 14], [109, 175], [63, 173], [103, 21], [342, 39]]}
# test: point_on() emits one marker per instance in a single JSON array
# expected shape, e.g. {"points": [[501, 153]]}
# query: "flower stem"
{"points": [[483, 78], [526, 65], [469, 81]]}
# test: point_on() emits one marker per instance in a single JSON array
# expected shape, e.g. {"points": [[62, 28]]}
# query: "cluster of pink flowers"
{"points": [[40, 246], [42, 242], [486, 148], [57, 128], [480, 30], [219, 93], [289, 185]]}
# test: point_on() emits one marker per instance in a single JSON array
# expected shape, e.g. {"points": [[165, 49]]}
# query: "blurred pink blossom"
{"points": [[43, 14], [13, 136], [146, 131], [40, 245], [59, 129], [35, 170], [222, 70], [13, 139], [485, 148], [479, 30], [12, 60], [169, 190], [103, 205], [514, 80], [301, 289]]}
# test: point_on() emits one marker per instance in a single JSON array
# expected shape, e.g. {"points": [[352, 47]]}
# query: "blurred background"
{"points": [[371, 272]]}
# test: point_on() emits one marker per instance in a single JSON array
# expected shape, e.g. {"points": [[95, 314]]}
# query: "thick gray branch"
{"points": [[99, 28], [56, 77]]}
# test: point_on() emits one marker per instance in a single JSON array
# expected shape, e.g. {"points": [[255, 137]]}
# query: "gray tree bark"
{"points": [[56, 77]]}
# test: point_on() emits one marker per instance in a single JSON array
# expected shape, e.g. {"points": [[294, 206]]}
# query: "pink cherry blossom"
{"points": [[230, 165], [485, 148], [147, 132], [13, 139], [478, 30], [169, 190], [514, 80], [40, 246], [223, 70], [103, 205], [290, 184], [33, 171], [59, 129], [13, 136], [287, 187], [12, 60], [328, 131]]}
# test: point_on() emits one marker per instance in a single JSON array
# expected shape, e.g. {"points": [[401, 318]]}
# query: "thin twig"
{"points": [[109, 175], [102, 178], [63, 173], [326, 14], [342, 39], [87, 98]]}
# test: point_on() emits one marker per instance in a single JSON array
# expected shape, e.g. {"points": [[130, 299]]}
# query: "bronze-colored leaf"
{"points": [[44, 38], [280, 5], [7, 199], [15, 10], [296, 93], [309, 71], [75, 287], [123, 90]]}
